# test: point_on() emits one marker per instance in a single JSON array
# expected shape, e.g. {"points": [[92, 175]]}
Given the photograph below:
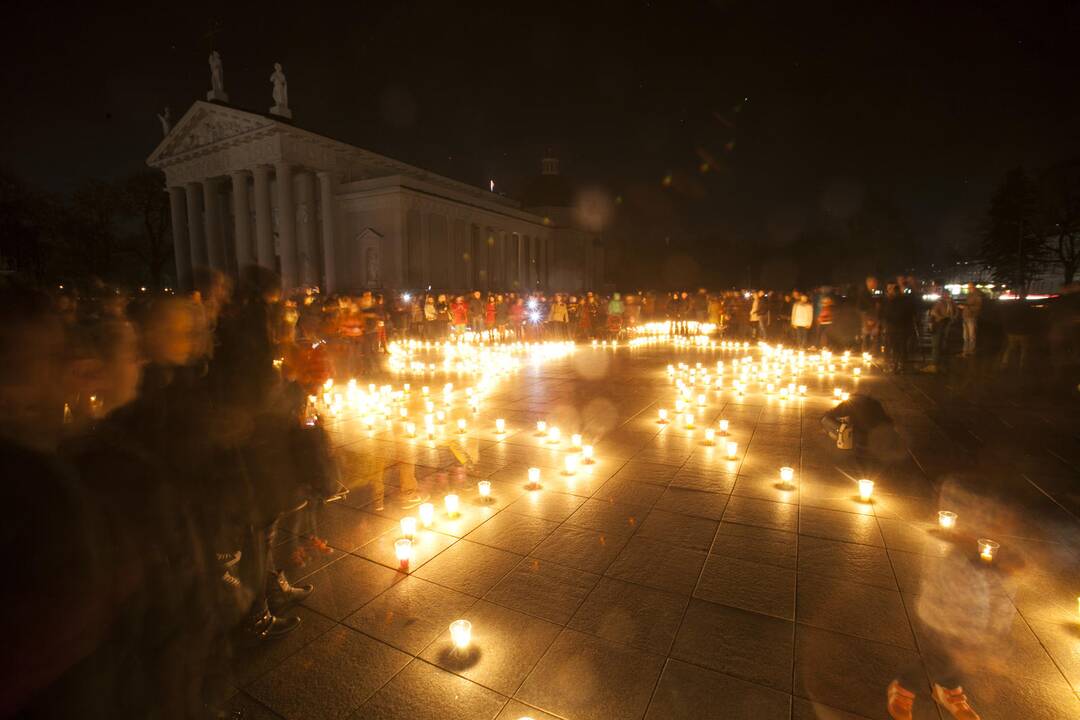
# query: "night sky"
{"points": [[702, 121]]}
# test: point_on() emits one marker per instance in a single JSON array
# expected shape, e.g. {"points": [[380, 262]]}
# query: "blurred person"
{"points": [[802, 319], [971, 311], [1018, 321], [559, 318], [941, 316], [517, 318], [758, 314], [899, 324], [868, 303]]}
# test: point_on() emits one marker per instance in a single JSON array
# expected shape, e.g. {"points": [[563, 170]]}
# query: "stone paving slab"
{"points": [[666, 581]]}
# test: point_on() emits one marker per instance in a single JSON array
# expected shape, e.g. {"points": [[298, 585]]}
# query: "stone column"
{"points": [[181, 244], [215, 243], [286, 226], [195, 224], [326, 198], [308, 247], [241, 220], [264, 221]]}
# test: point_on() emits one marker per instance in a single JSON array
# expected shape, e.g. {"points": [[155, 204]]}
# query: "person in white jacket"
{"points": [[802, 319]]}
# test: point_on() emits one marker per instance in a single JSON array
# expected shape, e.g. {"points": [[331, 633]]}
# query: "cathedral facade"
{"points": [[250, 188]]}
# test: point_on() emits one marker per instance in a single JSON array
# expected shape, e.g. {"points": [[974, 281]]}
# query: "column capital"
{"points": [[240, 173]]}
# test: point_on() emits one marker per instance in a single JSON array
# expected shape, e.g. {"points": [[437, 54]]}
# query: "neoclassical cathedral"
{"points": [[247, 187]]}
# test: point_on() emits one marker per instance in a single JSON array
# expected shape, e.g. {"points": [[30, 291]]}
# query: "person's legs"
{"points": [[969, 336]]}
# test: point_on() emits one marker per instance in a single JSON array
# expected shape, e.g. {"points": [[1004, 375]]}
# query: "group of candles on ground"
{"points": [[693, 385]]}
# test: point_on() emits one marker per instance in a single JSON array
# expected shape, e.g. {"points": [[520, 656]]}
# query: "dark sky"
{"points": [[705, 118]]}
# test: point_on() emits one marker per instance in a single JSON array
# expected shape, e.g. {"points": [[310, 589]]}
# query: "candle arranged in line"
{"points": [[866, 489], [403, 551], [484, 488], [408, 526], [427, 514], [946, 519], [534, 477], [987, 550], [461, 633], [452, 503]]}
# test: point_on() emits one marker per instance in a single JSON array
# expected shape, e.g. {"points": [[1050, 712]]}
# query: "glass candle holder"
{"points": [[688, 421], [461, 426], [554, 435], [732, 450], [987, 550], [500, 426], [701, 401], [866, 489], [452, 503], [724, 425], [541, 427], [802, 390], [661, 416], [570, 464], [427, 514], [575, 440], [410, 429], [408, 526], [461, 633], [403, 551], [946, 519], [787, 476], [534, 477], [710, 436], [587, 453], [484, 488]]}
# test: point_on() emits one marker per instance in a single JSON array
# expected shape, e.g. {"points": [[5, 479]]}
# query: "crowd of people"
{"points": [[156, 443]]}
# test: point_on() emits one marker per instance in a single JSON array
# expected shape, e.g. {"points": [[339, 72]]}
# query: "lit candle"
{"points": [[461, 633], [724, 425], [946, 519], [987, 549], [541, 427], [866, 489], [408, 526], [787, 475], [553, 435], [424, 391], [662, 413], [484, 487], [575, 440], [403, 412], [710, 436], [688, 421], [587, 454], [500, 426], [452, 503], [732, 450], [701, 400], [410, 429], [836, 392], [534, 478], [429, 407], [856, 372], [461, 425], [427, 514], [571, 464], [403, 551], [802, 390]]}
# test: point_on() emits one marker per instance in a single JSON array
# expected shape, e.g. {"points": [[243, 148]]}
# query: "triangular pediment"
{"points": [[369, 233], [203, 125]]}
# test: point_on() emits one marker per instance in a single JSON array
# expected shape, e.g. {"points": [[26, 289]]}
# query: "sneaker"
{"points": [[901, 701], [267, 626], [280, 594], [413, 499], [955, 702]]}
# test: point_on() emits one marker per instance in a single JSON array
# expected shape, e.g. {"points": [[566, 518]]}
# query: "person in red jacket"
{"points": [[459, 314]]}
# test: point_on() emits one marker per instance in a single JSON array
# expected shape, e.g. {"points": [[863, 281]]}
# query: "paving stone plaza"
{"points": [[662, 580]]}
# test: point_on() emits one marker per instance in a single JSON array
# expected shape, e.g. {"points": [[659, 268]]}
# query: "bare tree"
{"points": [[145, 201], [1057, 216]]}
